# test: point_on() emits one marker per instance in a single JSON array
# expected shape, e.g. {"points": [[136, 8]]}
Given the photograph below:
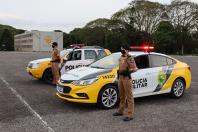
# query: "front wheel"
{"points": [[178, 88], [47, 76], [108, 97]]}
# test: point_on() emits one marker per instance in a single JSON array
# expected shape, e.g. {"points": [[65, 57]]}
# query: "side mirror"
{"points": [[65, 59]]}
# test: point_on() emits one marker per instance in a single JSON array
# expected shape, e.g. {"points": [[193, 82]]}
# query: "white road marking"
{"points": [[31, 110]]}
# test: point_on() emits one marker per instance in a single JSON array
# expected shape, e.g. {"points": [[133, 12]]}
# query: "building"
{"points": [[37, 41]]}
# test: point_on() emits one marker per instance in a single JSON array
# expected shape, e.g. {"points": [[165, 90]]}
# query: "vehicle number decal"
{"points": [[108, 76]]}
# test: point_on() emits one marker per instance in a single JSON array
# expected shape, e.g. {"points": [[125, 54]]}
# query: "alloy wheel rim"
{"points": [[109, 97], [178, 88]]}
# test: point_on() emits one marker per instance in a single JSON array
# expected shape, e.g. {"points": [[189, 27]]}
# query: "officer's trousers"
{"points": [[55, 72], [125, 90]]}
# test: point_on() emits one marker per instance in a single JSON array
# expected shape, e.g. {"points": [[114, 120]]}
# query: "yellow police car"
{"points": [[97, 83], [72, 58], [41, 68]]}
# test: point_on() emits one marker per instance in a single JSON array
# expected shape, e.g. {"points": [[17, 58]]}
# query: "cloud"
{"points": [[62, 15], [6, 16], [28, 24], [15, 20]]}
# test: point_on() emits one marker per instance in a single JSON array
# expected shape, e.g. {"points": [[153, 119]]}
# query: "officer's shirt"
{"points": [[127, 62], [55, 54]]}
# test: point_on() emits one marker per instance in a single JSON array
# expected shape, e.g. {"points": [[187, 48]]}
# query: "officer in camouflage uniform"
{"points": [[55, 62], [127, 65]]}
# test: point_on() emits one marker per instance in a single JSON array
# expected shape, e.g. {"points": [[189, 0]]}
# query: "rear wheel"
{"points": [[47, 76], [108, 97], [178, 88]]}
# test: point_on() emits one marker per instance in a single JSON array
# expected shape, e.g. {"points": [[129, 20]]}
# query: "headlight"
{"points": [[33, 65], [84, 82]]}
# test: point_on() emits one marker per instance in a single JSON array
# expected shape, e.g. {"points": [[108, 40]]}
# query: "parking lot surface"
{"points": [[27, 104]]}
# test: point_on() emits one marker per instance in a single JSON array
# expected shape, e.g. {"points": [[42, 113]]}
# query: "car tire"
{"points": [[108, 97], [47, 76], [178, 88]]}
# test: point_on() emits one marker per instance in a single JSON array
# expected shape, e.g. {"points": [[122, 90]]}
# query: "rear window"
{"points": [[170, 61], [158, 60]]}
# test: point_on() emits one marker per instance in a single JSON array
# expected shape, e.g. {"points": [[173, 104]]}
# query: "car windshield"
{"points": [[64, 53], [108, 62]]}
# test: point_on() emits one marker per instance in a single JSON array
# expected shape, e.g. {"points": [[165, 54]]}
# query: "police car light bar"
{"points": [[76, 45], [145, 48]]}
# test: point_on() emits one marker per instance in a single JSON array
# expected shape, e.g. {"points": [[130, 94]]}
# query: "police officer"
{"points": [[55, 62], [127, 65]]}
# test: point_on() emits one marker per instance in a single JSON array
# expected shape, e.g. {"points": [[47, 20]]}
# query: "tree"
{"points": [[100, 22], [7, 41], [116, 32], [164, 38], [142, 37], [68, 39], [109, 24], [184, 17], [142, 14], [89, 36], [144, 22], [58, 31]]}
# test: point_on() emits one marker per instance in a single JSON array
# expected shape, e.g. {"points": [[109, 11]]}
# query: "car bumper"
{"points": [[80, 94], [72, 99], [34, 72]]}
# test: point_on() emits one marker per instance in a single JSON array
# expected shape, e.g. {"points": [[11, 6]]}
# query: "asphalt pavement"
{"points": [[29, 105]]}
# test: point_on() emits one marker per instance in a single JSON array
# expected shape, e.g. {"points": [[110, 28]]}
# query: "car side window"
{"points": [[101, 54], [142, 61], [170, 61], [157, 60], [90, 54], [75, 55]]}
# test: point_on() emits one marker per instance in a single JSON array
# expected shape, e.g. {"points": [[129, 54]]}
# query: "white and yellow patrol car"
{"points": [[41, 68], [71, 59], [97, 83], [82, 57]]}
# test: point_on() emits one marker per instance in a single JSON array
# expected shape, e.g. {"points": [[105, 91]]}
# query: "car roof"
{"points": [[138, 53], [88, 49], [70, 49], [135, 53], [92, 47]]}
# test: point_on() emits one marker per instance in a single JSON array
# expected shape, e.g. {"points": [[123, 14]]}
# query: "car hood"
{"points": [[83, 73], [41, 60]]}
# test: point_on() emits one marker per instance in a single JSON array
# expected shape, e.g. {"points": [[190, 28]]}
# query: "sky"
{"points": [[65, 15]]}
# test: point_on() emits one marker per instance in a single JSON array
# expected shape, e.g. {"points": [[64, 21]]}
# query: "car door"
{"points": [[142, 80], [74, 60], [161, 69]]}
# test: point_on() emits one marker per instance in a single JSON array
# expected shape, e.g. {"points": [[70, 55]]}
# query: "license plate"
{"points": [[59, 88]]}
